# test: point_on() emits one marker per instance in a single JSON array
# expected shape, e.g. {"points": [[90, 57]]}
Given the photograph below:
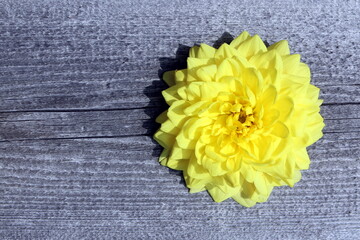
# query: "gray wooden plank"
{"points": [[119, 94], [67, 61], [111, 184], [120, 123]]}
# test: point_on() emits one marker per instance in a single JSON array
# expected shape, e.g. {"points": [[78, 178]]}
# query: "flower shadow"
{"points": [[225, 38], [157, 103]]}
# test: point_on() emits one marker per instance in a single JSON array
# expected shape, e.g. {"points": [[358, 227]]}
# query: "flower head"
{"points": [[239, 120]]}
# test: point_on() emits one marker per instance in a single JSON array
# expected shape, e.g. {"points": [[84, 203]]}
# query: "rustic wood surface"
{"points": [[79, 92]]}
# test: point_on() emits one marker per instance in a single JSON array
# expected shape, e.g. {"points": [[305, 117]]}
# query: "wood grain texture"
{"points": [[79, 91]]}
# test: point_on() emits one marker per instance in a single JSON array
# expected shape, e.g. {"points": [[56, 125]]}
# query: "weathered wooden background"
{"points": [[78, 96]]}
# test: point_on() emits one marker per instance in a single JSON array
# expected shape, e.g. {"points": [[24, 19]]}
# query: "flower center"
{"points": [[242, 122], [242, 117]]}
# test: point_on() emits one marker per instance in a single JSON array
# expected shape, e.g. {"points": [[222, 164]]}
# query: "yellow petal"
{"points": [[180, 75], [177, 164], [180, 153], [197, 171], [281, 147], [264, 60], [251, 46], [251, 96], [291, 63], [169, 127], [211, 153], [176, 112], [312, 92], [217, 194], [252, 78], [302, 159], [246, 202], [193, 53], [206, 51], [194, 184], [214, 167], [182, 93], [261, 183], [169, 78], [248, 190], [185, 142], [224, 69], [210, 90], [271, 117], [199, 152], [198, 62], [268, 97], [276, 169], [286, 106], [314, 130], [291, 181], [195, 108], [282, 47], [233, 178], [289, 167], [229, 150], [171, 94], [297, 128], [303, 70], [241, 38], [196, 190], [247, 172], [291, 86], [280, 130], [162, 117], [194, 89], [265, 146], [164, 156], [270, 65], [226, 97], [225, 51], [207, 73], [194, 127], [166, 140]]}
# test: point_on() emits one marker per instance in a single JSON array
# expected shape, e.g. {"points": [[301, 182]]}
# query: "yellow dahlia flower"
{"points": [[239, 120]]}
